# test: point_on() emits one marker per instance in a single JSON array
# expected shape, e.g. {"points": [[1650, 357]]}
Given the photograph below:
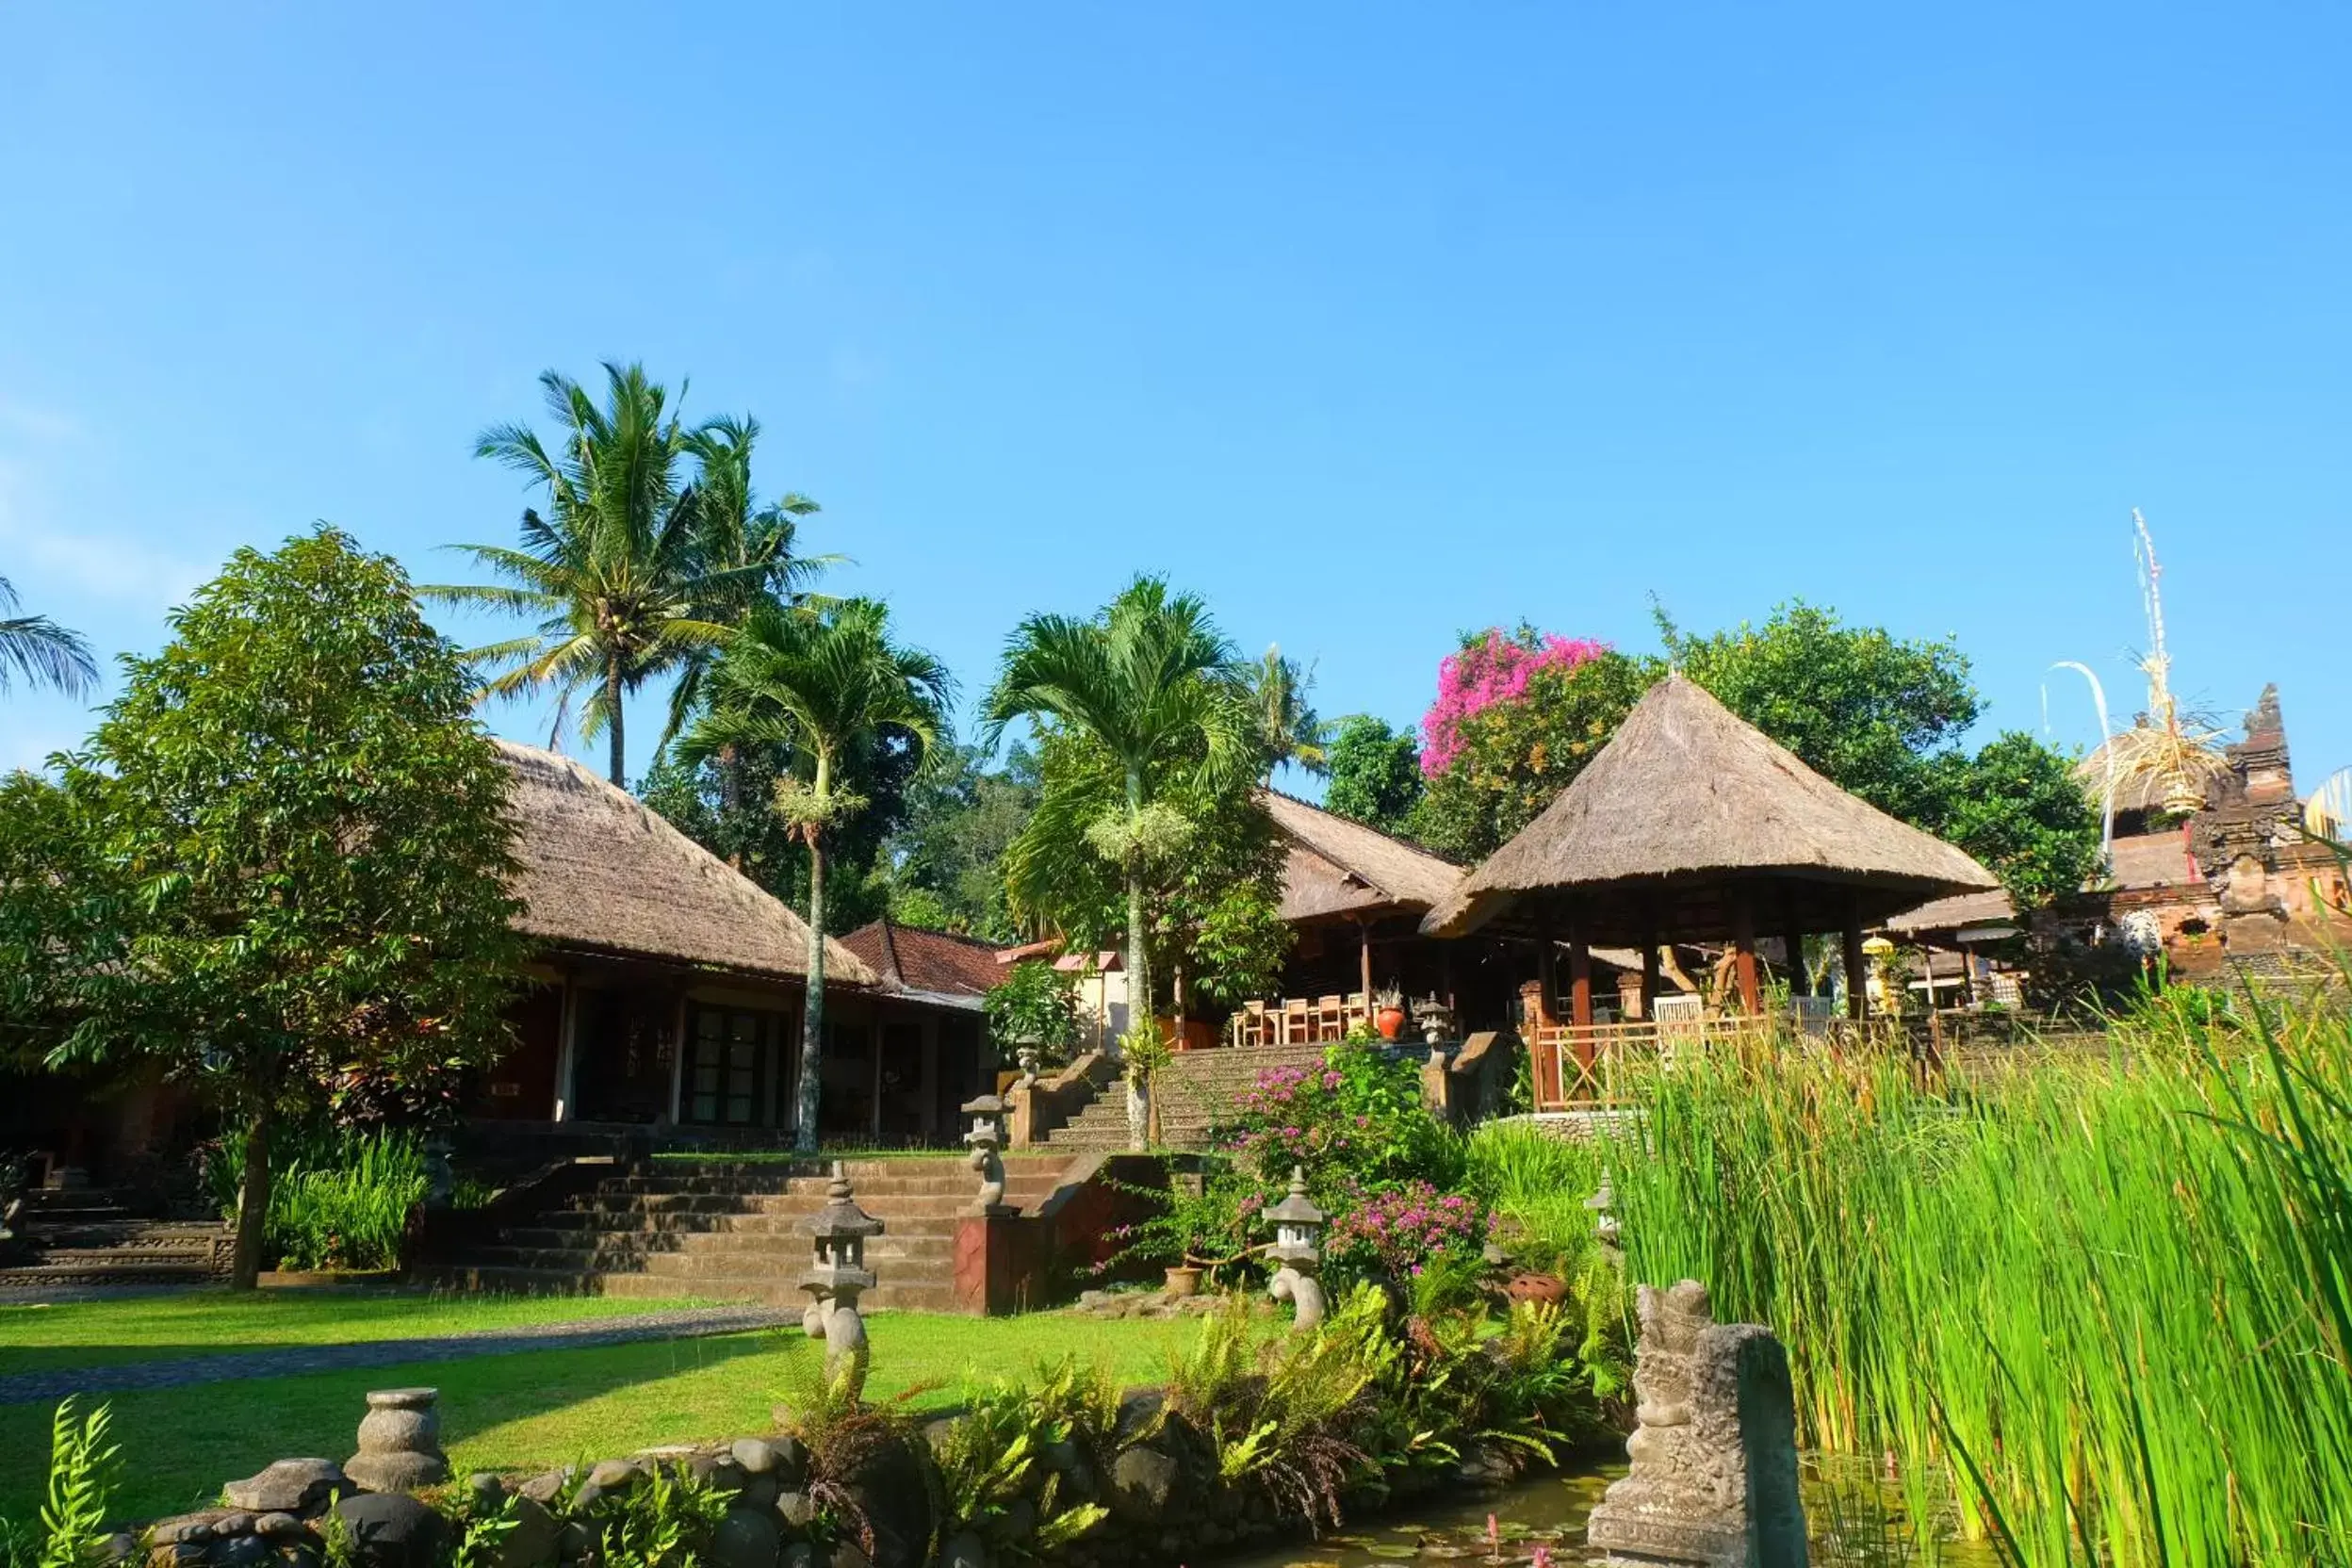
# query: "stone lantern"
{"points": [[987, 1141], [1299, 1249], [1605, 1229], [1028, 1055], [835, 1278]]}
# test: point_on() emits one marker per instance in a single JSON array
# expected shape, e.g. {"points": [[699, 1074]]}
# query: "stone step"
{"points": [[759, 1288], [712, 1243]]}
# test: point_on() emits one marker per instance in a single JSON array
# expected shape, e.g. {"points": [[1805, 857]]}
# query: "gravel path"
{"points": [[292, 1361]]}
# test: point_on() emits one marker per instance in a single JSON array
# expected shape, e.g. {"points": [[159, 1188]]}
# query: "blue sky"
{"points": [[1370, 323]]}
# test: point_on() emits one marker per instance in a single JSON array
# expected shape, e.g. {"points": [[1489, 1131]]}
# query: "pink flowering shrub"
{"points": [[1400, 1231], [1490, 670], [1356, 1116]]}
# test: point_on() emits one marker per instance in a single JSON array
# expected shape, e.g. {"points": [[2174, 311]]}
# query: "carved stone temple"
{"points": [[1714, 1478]]}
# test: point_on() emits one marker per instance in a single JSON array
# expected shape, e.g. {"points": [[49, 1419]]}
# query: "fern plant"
{"points": [[82, 1469], [989, 1460]]}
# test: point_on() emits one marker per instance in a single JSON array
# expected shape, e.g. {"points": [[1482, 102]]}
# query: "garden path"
{"points": [[293, 1360]]}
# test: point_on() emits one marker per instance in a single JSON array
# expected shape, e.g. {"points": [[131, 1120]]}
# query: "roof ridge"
{"points": [[1398, 839]]}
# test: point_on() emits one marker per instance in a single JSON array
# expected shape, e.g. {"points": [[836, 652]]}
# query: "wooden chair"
{"points": [[1331, 1018], [1297, 1021], [1253, 1023]]}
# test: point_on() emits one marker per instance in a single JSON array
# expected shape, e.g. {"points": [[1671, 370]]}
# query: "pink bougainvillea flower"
{"points": [[1495, 669]]}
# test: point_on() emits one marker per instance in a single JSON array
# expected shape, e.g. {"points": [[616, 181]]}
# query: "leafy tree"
{"points": [[289, 854], [1153, 683], [626, 579], [949, 852], [1375, 775], [831, 686], [2017, 807], [1514, 731], [725, 803], [1865, 710], [38, 651]]}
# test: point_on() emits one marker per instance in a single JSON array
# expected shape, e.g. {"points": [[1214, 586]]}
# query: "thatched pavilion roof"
{"points": [[602, 872], [1341, 868], [1687, 809]]}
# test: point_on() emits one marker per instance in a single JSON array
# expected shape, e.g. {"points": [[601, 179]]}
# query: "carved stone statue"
{"points": [[1714, 1478]]}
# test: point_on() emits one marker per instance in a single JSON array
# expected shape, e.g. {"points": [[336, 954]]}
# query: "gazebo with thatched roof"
{"points": [[1692, 825]]}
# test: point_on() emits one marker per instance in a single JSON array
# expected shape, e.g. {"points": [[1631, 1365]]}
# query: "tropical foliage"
{"points": [[1375, 775], [1036, 1005], [943, 866], [341, 1197], [1146, 695], [651, 543], [282, 860], [829, 686], [39, 652]]}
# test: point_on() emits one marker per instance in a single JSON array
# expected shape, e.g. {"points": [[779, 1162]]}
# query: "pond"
{"points": [[1854, 1522]]}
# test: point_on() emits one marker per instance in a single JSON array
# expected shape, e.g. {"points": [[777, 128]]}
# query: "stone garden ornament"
{"points": [[834, 1279], [987, 1141], [400, 1442], [1714, 1477], [1297, 1250]]}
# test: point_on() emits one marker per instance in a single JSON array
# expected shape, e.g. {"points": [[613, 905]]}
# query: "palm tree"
{"points": [[1153, 683], [743, 542], [616, 566], [830, 686], [41, 652], [1292, 732]]}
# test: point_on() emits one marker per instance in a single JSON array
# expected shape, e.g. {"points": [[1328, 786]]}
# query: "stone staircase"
{"points": [[730, 1230], [1196, 1089], [85, 1238]]}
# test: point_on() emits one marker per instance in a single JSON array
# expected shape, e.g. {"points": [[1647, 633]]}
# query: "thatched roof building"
{"points": [[604, 874], [1340, 869], [1692, 825]]}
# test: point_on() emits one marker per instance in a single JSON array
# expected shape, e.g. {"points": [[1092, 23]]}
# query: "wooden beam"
{"points": [[1743, 946], [1650, 978], [1579, 984], [1857, 981], [1365, 932]]}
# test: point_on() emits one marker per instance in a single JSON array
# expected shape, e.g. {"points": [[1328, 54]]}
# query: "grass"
{"points": [[544, 1408], [211, 1322], [2101, 1308]]}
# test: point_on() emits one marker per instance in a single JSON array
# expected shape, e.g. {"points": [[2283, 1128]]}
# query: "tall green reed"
{"points": [[2099, 1307], [341, 1197]]}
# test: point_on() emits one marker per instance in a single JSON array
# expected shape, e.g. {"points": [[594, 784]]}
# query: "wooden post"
{"points": [[1799, 983], [1857, 978], [1541, 1051], [1581, 1005], [1363, 929], [1649, 978], [1743, 945]]}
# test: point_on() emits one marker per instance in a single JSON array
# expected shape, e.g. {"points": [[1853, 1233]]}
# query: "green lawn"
{"points": [[204, 1323], [544, 1408]]}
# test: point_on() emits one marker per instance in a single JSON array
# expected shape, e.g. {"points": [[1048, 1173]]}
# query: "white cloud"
{"points": [[36, 550]]}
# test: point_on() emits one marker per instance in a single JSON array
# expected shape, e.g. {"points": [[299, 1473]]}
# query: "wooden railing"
{"points": [[1580, 1066]]}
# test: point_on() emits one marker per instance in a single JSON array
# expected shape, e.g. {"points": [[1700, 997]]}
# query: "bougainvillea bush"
{"points": [[1517, 717], [1357, 1117], [1399, 1232]]}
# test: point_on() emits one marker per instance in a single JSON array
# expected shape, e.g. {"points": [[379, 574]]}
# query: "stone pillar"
{"points": [[400, 1442], [994, 1254], [1714, 1477]]}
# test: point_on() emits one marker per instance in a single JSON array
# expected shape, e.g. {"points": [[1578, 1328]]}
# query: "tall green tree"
{"points": [[829, 685], [1866, 709], [1375, 774], [288, 853], [946, 862], [626, 579], [39, 652], [2017, 807], [1153, 683]]}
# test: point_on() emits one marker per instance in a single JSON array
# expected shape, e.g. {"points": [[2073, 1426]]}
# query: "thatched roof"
{"points": [[1685, 809], [602, 872], [1955, 913], [1341, 868]]}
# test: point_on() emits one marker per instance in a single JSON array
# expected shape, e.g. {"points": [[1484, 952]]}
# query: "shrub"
{"points": [[991, 1458], [1216, 1228], [1359, 1114], [1036, 1004], [341, 1199], [1399, 1232], [82, 1469]]}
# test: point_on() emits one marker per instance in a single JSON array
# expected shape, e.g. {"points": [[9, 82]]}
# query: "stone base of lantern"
{"points": [[994, 1266]]}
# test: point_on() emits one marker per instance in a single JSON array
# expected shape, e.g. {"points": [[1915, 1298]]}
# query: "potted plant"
{"points": [[1195, 1232], [1390, 1018]]}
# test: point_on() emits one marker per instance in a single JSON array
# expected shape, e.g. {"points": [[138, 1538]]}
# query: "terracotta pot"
{"points": [[1526, 1287], [1390, 1022], [1183, 1280]]}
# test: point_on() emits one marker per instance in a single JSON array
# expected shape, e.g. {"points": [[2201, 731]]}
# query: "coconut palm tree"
{"points": [[1154, 683], [41, 652], [828, 685], [616, 568], [1293, 731]]}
